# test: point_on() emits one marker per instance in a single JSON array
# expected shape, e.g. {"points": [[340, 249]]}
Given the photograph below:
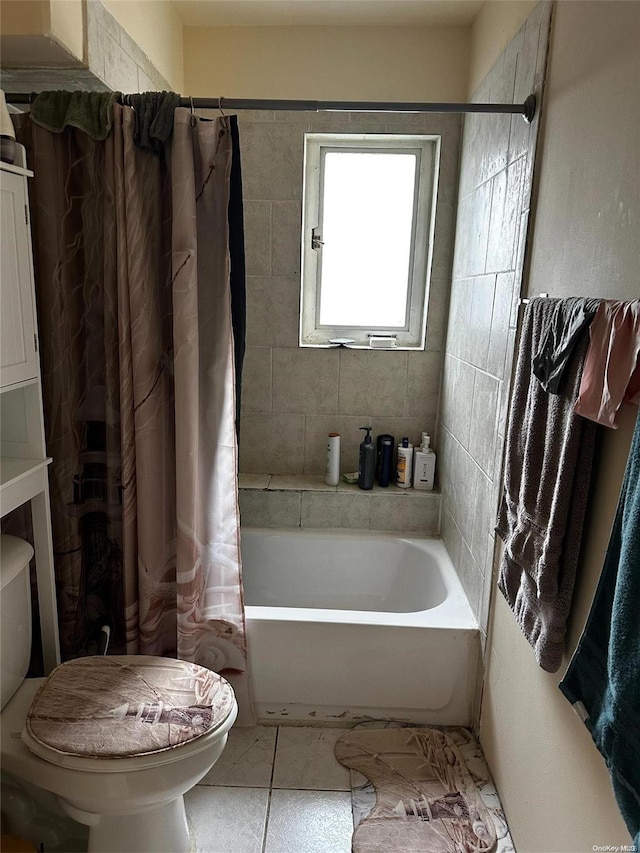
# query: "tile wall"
{"points": [[493, 213], [115, 58], [298, 500], [293, 397]]}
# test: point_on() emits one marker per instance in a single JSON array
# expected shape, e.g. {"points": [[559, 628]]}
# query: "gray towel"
{"points": [[571, 317], [547, 474]]}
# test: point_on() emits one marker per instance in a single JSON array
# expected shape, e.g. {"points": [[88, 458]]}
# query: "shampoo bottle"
{"points": [[405, 464], [424, 465], [367, 461]]}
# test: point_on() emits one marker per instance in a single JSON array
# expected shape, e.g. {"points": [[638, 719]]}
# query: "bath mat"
{"points": [[428, 791]]}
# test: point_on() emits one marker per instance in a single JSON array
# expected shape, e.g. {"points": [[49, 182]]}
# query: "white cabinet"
{"points": [[23, 458], [18, 345]]}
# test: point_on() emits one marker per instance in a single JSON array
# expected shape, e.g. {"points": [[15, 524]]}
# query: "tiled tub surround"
{"points": [[293, 397], [493, 212], [282, 500], [352, 626]]}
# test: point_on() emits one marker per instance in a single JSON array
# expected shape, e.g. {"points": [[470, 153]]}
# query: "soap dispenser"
{"points": [[367, 461]]}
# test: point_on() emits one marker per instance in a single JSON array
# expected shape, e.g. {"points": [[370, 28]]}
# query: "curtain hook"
{"points": [[223, 116], [193, 118]]}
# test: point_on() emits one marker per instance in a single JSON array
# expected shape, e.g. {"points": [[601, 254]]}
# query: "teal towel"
{"points": [[603, 678], [92, 112]]}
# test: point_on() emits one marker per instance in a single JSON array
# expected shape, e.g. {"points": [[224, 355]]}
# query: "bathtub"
{"points": [[351, 626]]}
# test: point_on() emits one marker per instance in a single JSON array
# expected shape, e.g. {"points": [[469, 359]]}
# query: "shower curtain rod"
{"points": [[526, 110]]}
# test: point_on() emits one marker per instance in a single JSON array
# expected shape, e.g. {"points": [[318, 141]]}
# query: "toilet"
{"points": [[118, 739]]}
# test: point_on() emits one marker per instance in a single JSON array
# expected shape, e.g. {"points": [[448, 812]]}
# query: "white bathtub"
{"points": [[347, 626]]}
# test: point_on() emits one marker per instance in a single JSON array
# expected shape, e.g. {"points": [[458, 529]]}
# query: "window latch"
{"points": [[316, 242]]}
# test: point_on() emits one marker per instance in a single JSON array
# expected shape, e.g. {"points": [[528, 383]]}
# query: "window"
{"points": [[367, 235]]}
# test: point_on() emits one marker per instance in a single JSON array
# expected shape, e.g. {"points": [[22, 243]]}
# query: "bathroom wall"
{"points": [[156, 29], [493, 28], [414, 63], [42, 31], [112, 59], [115, 57], [292, 397], [553, 782], [493, 214]]}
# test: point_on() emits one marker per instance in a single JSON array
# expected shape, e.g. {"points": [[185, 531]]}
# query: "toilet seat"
{"points": [[121, 713]]}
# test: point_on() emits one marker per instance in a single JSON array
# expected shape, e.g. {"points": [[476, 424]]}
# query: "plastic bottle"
{"points": [[384, 467], [424, 465], [405, 464], [332, 477], [367, 461]]}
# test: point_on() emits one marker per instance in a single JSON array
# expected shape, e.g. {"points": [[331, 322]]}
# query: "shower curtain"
{"points": [[132, 268]]}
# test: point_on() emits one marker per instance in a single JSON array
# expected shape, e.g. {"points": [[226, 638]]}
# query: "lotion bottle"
{"points": [[367, 461], [405, 464], [332, 477], [424, 466]]}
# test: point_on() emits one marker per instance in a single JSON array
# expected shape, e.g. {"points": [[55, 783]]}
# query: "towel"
{"points": [[611, 373], [571, 317], [92, 112], [154, 119], [603, 678], [549, 453]]}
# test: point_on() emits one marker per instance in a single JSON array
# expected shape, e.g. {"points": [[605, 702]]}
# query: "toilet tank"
{"points": [[15, 614]]}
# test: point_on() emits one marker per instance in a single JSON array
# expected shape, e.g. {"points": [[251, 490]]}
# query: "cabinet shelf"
{"points": [[15, 386], [20, 480], [12, 470], [17, 169]]}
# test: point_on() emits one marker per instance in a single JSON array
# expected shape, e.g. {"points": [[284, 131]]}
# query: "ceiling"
{"points": [[360, 13]]}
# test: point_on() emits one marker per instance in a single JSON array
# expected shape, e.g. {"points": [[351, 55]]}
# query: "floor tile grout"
{"points": [[266, 822], [267, 813], [275, 755], [316, 790]]}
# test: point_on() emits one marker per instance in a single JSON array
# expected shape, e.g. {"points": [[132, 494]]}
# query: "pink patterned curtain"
{"points": [[132, 280], [210, 606]]}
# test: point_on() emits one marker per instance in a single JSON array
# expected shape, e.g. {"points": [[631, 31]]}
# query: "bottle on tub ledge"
{"points": [[366, 461], [424, 466], [384, 459], [405, 464], [332, 476]]}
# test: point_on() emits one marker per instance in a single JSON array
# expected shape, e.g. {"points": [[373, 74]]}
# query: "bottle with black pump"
{"points": [[367, 461]]}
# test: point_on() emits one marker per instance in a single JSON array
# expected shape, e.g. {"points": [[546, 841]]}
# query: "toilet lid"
{"points": [[126, 706]]}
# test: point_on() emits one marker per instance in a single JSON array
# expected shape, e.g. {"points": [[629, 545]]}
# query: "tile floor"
{"points": [[274, 790]]}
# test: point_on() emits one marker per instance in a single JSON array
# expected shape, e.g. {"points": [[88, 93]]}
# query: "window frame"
{"points": [[413, 334]]}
